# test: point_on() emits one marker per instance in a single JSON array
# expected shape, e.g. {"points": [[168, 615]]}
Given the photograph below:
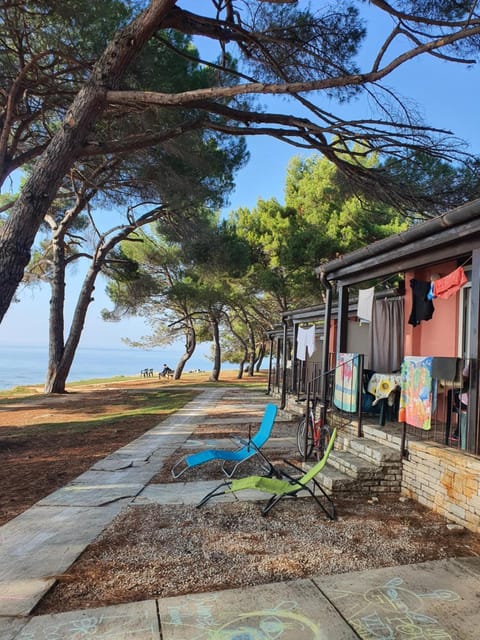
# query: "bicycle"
{"points": [[312, 434]]}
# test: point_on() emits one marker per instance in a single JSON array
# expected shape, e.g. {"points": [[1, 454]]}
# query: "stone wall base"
{"points": [[444, 480]]}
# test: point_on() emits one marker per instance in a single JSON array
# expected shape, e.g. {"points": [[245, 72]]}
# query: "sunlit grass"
{"points": [[138, 404], [89, 381], [146, 397]]}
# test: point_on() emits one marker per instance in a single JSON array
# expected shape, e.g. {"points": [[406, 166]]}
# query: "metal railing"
{"points": [[450, 424], [337, 393], [450, 421]]}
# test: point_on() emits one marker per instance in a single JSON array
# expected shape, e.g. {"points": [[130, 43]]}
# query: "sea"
{"points": [[25, 365]]}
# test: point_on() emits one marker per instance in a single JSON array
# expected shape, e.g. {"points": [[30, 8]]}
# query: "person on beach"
{"points": [[166, 373]]}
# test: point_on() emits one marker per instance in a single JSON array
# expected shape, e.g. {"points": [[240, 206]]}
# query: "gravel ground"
{"points": [[159, 551]]}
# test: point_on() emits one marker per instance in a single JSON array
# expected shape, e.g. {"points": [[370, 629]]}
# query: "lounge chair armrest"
{"points": [[176, 474], [244, 441], [316, 483], [290, 464], [287, 476], [294, 479], [272, 471]]}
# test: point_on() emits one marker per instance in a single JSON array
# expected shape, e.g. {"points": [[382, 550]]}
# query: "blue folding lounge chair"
{"points": [[286, 487], [251, 447]]}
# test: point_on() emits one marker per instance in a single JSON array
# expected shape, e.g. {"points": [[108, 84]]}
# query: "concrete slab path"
{"points": [[45, 540], [428, 601]]}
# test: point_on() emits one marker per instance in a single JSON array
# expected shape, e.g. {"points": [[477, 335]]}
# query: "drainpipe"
{"points": [[284, 364], [270, 365], [326, 341], [295, 388]]}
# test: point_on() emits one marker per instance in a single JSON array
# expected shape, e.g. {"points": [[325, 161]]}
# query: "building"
{"points": [[440, 456]]}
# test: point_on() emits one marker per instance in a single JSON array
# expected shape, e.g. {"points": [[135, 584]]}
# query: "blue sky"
{"points": [[446, 95]]}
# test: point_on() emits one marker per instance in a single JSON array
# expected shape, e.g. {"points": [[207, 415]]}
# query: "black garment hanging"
{"points": [[422, 307], [448, 369]]}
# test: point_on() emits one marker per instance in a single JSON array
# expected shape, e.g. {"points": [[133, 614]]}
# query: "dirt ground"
{"points": [[36, 458], [154, 551]]}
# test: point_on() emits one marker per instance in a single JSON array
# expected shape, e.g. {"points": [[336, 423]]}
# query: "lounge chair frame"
{"points": [[250, 447], [287, 487]]}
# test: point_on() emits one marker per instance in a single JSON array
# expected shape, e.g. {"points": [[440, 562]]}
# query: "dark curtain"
{"points": [[386, 335]]}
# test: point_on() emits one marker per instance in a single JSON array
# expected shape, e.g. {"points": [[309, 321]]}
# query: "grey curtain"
{"points": [[386, 335]]}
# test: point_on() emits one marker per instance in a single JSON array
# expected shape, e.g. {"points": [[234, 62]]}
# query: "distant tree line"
{"points": [[228, 280]]}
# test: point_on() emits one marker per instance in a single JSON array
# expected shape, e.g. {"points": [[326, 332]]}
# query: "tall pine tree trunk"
{"points": [[57, 377], [190, 345], [260, 356], [217, 352], [56, 326], [18, 232], [251, 335]]}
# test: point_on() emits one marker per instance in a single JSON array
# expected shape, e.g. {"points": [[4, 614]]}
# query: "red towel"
{"points": [[447, 286]]}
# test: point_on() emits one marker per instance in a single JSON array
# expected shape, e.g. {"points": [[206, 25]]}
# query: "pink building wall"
{"points": [[438, 336]]}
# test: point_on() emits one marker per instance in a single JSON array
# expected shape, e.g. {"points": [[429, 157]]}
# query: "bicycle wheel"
{"points": [[305, 425], [325, 435]]}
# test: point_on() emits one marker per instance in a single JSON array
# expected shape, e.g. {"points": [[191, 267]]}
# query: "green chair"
{"points": [[282, 488]]}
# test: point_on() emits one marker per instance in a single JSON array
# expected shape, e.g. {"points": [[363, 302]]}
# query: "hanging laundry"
{"points": [[346, 382], [433, 278], [447, 286], [416, 395], [422, 307], [446, 369], [305, 342], [431, 292], [365, 304]]}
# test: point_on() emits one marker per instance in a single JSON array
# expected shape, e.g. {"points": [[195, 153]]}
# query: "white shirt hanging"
{"points": [[305, 342], [365, 304]]}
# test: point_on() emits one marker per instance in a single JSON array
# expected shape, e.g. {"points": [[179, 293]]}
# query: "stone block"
{"points": [[19, 597], [121, 622], [428, 600], [294, 610]]}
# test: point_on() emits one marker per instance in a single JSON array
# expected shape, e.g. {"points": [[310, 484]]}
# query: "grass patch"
{"points": [[22, 393], [27, 389], [135, 404], [83, 383], [260, 384]]}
